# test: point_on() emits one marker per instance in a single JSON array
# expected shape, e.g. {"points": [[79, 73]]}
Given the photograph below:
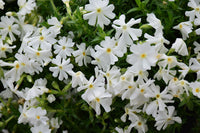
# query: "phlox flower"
{"points": [[100, 12], [165, 74], [124, 32], [166, 117], [120, 130], [106, 52], [100, 97], [8, 27], [44, 40], [51, 98], [159, 103], [64, 47], [197, 47], [5, 48], [155, 23], [185, 28], [169, 62], [41, 129], [82, 55], [195, 12], [2, 3], [195, 88], [143, 56], [55, 123], [159, 41], [26, 6], [78, 78], [129, 91], [41, 56], [62, 67], [37, 116], [180, 47], [56, 25], [139, 124]]}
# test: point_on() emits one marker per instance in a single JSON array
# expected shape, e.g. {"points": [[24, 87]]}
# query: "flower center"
{"points": [[143, 56], [99, 10], [38, 53], [17, 66], [63, 47], [180, 26], [108, 50], [83, 53], [157, 96], [97, 99], [3, 49], [38, 117], [41, 38], [60, 67], [91, 86], [169, 60], [9, 28], [139, 123], [197, 90], [124, 27]]}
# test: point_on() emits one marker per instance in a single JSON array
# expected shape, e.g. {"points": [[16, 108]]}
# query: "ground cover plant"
{"points": [[120, 66]]}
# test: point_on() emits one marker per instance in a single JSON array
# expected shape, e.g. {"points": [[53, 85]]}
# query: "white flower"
{"points": [[44, 40], [82, 55], [62, 68], [154, 22], [143, 56], [196, 10], [64, 47], [5, 48], [78, 78], [2, 3], [51, 98], [100, 97], [185, 28], [99, 12], [139, 124], [26, 6], [41, 129], [195, 88], [8, 27], [180, 47], [161, 99], [124, 32], [56, 25], [166, 117], [55, 123], [36, 116]]}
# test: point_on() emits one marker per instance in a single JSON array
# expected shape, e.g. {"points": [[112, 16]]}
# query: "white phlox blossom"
{"points": [[55, 123], [125, 32], [160, 99], [166, 117], [185, 28], [167, 61], [100, 12], [100, 97], [120, 130], [143, 56], [129, 91], [43, 128], [158, 40], [55, 25], [37, 116], [91, 86], [195, 66], [139, 124], [82, 54], [8, 27], [78, 78], [44, 40], [43, 57], [155, 23], [164, 74], [51, 98], [131, 112], [180, 47], [64, 47], [62, 68], [106, 52], [2, 3], [195, 88], [5, 48], [195, 12], [197, 47], [123, 82], [26, 6]]}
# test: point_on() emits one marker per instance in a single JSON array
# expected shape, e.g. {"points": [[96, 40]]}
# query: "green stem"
{"points": [[54, 8]]}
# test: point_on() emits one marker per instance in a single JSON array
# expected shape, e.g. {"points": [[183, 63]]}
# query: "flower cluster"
{"points": [[33, 50]]}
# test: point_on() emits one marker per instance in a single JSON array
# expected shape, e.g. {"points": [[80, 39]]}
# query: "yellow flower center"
{"points": [[180, 26], [197, 90], [197, 9], [99, 10], [38, 117], [9, 28], [169, 60], [38, 53], [97, 99], [41, 38], [91, 86], [83, 53], [17, 66], [142, 90], [3, 48], [23, 64], [139, 123], [63, 47], [60, 67], [124, 27], [108, 50], [123, 78], [143, 56], [157, 96]]}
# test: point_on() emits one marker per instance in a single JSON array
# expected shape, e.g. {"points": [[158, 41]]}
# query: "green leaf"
{"points": [[55, 85], [133, 10]]}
